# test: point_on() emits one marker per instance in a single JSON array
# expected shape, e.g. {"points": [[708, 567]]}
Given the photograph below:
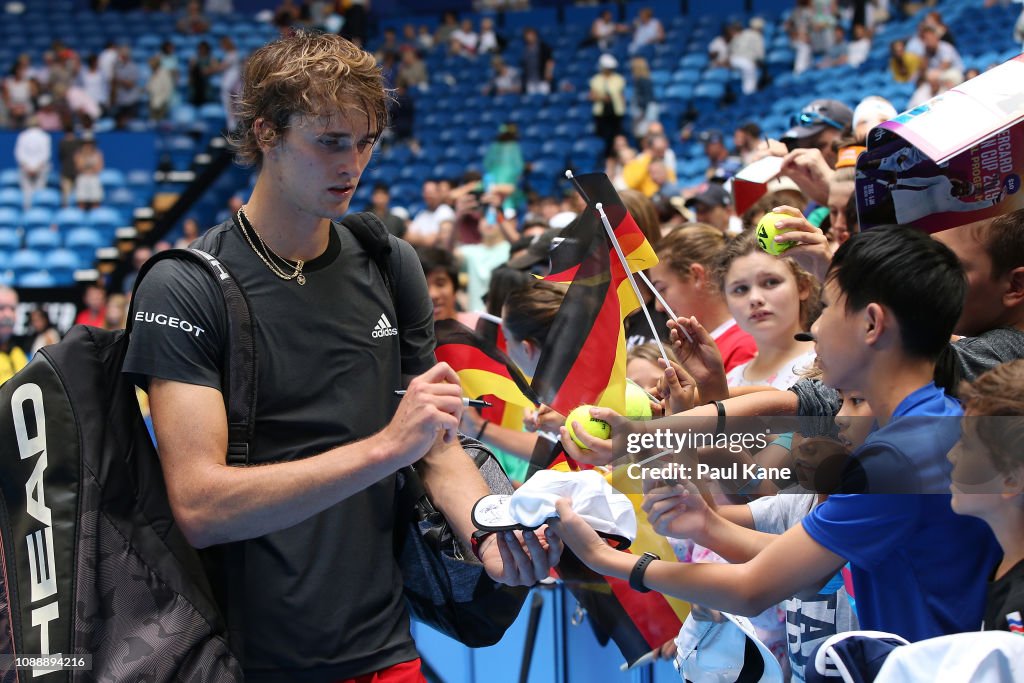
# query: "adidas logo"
{"points": [[383, 328]]}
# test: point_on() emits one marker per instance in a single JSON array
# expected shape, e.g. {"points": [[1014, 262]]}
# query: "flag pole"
{"points": [[618, 250], [664, 304], [490, 318], [636, 290]]}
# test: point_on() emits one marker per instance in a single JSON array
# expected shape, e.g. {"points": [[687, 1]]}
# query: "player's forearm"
{"points": [[454, 485], [228, 503]]}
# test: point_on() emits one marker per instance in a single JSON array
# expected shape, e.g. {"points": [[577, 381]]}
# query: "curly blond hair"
{"points": [[305, 74]]}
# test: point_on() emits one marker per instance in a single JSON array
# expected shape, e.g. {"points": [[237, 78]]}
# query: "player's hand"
{"points": [[520, 558], [431, 408]]}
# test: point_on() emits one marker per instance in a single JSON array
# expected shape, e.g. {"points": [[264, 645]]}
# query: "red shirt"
{"points": [[735, 345], [87, 317]]}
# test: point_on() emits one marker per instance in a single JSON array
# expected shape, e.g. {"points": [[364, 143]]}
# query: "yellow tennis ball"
{"points": [[766, 232], [593, 426], [638, 405]]}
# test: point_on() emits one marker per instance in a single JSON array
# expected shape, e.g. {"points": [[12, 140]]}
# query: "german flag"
{"points": [[507, 415], [483, 369], [584, 356]]}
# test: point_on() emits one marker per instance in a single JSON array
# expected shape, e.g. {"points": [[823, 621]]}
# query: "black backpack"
{"points": [[444, 585], [91, 560]]}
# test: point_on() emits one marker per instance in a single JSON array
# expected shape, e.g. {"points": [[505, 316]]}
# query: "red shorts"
{"points": [[406, 672]]}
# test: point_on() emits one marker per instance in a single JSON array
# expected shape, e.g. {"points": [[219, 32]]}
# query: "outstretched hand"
{"points": [[598, 451], [812, 250], [677, 511], [700, 357]]}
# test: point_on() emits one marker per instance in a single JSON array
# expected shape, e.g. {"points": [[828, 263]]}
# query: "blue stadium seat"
{"points": [[693, 60], [69, 216], [9, 176], [46, 197], [25, 260], [123, 199], [37, 217], [36, 279], [140, 177], [530, 148], [10, 240], [403, 194], [42, 238], [10, 196], [112, 178], [589, 146], [515, 22], [61, 264], [452, 170], [546, 167], [708, 94], [717, 75], [183, 115], [680, 91], [84, 241], [105, 217]]}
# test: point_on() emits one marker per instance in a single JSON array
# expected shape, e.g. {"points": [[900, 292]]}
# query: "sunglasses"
{"points": [[809, 118]]}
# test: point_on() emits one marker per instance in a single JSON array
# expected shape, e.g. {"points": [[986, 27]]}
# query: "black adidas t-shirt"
{"points": [[1004, 606], [323, 599]]}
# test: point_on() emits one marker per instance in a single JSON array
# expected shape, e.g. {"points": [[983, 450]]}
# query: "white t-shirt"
{"points": [[646, 33], [33, 148], [783, 379], [810, 618], [719, 50], [467, 39], [428, 222]]}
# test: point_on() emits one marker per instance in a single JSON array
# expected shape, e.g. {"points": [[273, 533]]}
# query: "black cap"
{"points": [[818, 116], [538, 253], [714, 195]]}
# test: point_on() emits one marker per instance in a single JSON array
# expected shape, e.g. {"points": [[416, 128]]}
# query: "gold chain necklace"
{"points": [[297, 275]]}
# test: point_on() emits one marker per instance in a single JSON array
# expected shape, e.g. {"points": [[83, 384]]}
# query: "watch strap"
{"points": [[636, 577]]}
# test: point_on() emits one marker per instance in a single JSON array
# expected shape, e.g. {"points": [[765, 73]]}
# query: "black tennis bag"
{"points": [[444, 584], [91, 560]]}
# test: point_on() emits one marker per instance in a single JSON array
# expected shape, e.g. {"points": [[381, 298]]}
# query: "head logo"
{"points": [[31, 434]]}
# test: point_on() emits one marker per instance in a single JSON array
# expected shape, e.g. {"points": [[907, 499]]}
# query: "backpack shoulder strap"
{"points": [[375, 239], [239, 353]]}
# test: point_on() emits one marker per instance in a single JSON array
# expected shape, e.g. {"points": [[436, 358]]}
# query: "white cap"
{"points": [[714, 651], [562, 219], [607, 61], [873, 108], [609, 512]]}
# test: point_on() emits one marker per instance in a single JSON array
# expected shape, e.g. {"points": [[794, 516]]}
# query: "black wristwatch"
{"points": [[477, 540], [636, 577]]}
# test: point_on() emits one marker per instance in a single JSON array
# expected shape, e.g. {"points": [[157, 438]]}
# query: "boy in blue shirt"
{"points": [[893, 296]]}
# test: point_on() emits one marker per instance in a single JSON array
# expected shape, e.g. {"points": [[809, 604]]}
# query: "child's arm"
{"points": [[786, 566], [681, 512]]}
